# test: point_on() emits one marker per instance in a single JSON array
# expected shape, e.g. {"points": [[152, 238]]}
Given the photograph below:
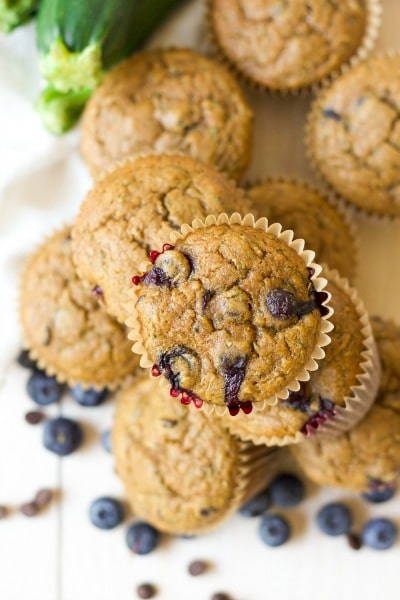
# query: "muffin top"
{"points": [[179, 466], [368, 456], [168, 101], [299, 207], [304, 411], [64, 324], [354, 135], [291, 44], [134, 210], [229, 315]]}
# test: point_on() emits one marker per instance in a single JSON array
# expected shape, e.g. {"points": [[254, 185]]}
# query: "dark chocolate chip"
{"points": [[33, 417], [146, 590], [329, 113], [354, 540], [29, 509], [234, 372], [43, 497], [197, 567]]}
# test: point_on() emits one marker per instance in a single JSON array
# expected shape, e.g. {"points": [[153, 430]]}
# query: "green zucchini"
{"points": [[79, 40], [14, 13]]}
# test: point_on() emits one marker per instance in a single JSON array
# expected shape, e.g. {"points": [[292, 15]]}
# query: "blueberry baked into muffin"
{"points": [[229, 315]]}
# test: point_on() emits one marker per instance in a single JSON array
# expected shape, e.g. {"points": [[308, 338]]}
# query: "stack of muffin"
{"points": [[247, 339]]}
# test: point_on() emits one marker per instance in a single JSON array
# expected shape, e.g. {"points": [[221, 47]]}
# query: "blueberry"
{"points": [[62, 436], [286, 491], [89, 397], [106, 440], [106, 513], [43, 389], [257, 505], [334, 519], [274, 530], [24, 361], [379, 534], [377, 496], [142, 538]]}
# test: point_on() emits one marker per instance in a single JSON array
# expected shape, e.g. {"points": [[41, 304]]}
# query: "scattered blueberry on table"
{"points": [[286, 491], [274, 530], [334, 519], [142, 538], [43, 389], [106, 512], [379, 534], [62, 436], [89, 397]]}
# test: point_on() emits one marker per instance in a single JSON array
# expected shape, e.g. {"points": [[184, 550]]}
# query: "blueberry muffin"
{"points": [[354, 135], [64, 324], [134, 209], [168, 101], [229, 315], [182, 471], [300, 207], [287, 45], [368, 456], [305, 412]]}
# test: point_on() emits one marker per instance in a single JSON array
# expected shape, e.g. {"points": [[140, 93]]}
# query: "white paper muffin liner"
{"points": [[137, 335], [373, 22]]}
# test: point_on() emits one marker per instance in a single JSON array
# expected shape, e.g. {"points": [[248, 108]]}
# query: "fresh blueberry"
{"points": [[379, 534], [257, 505], [334, 519], [142, 538], [274, 530], [62, 436], [43, 389], [106, 440], [376, 496], [24, 361], [286, 491], [106, 513], [89, 397]]}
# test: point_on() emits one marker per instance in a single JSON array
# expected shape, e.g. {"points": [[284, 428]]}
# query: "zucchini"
{"points": [[79, 40], [14, 13]]}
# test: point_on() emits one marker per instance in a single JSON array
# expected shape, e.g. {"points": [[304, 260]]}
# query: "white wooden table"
{"points": [[59, 555]]}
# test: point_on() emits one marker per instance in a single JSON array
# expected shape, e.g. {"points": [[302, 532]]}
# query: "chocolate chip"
{"points": [[33, 417], [220, 596], [146, 590], [29, 509], [329, 113], [43, 497], [197, 567], [3, 512], [354, 540]]}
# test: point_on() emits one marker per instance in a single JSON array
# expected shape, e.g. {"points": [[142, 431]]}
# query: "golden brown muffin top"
{"points": [[368, 456], [65, 326], [354, 135], [179, 466], [168, 101], [315, 403], [299, 207], [134, 210], [229, 315], [291, 44]]}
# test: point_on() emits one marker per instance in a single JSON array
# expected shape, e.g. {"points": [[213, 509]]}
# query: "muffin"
{"points": [[134, 210], [337, 395], [288, 45], [300, 207], [368, 456], [229, 314], [64, 325], [353, 135], [182, 471], [168, 101]]}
